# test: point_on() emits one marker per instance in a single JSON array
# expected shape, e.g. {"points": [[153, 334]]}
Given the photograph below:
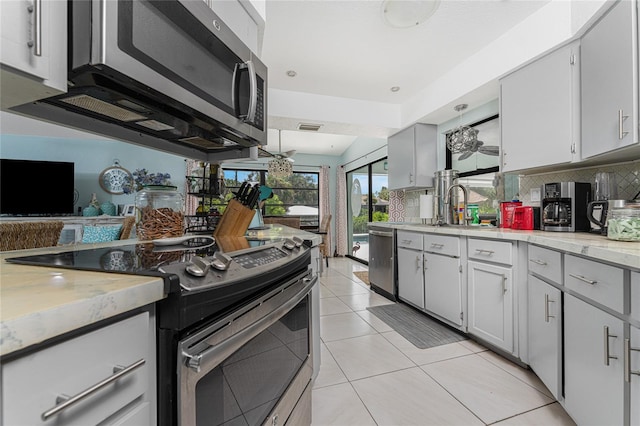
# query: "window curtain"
{"points": [[325, 202], [341, 212], [190, 203]]}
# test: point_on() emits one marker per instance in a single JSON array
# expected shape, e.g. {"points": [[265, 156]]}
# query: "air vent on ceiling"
{"points": [[309, 127]]}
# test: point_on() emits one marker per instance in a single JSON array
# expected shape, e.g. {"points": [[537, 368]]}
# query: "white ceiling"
{"points": [[344, 49]]}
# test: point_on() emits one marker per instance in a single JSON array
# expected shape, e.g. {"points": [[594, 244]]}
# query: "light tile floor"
{"points": [[371, 375]]}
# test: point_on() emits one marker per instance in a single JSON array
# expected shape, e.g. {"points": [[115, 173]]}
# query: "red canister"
{"points": [[507, 209]]}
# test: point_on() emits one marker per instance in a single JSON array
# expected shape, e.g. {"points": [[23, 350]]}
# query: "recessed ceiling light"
{"points": [[292, 73], [395, 88], [407, 14]]}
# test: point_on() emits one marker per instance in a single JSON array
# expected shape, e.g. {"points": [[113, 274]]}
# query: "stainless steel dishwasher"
{"points": [[382, 275]]}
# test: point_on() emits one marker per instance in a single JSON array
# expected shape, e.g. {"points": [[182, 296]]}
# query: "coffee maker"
{"points": [[564, 206]]}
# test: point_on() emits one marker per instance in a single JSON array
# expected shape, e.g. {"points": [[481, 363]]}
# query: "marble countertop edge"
{"points": [[598, 247]]}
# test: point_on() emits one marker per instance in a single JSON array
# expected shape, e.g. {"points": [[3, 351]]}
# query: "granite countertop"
{"points": [[38, 303], [595, 246]]}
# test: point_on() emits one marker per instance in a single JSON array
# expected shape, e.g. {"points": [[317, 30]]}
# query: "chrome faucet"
{"points": [[447, 202]]}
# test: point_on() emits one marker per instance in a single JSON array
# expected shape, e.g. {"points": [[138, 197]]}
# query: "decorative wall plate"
{"points": [[112, 179]]}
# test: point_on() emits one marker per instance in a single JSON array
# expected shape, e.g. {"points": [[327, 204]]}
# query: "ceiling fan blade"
{"points": [[465, 155], [264, 154], [489, 150], [288, 154]]}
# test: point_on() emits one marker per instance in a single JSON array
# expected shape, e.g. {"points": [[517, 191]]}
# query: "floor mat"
{"points": [[416, 327], [363, 276]]}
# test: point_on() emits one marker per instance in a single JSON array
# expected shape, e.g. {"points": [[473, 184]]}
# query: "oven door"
{"points": [[253, 366]]}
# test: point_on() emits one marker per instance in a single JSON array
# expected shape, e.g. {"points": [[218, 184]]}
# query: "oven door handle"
{"points": [[215, 354]]}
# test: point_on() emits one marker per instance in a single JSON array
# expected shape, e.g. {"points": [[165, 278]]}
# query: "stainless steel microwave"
{"points": [[168, 74]]}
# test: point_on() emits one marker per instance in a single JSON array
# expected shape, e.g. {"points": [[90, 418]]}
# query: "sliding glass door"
{"points": [[367, 201]]}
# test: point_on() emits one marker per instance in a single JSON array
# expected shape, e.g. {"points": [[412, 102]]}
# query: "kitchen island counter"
{"points": [[595, 246]]}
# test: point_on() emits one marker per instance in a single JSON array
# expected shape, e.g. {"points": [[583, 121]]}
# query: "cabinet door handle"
{"points": [[417, 262], [581, 278], [36, 9], [607, 355], [546, 308], [627, 361], [621, 118], [410, 177], [504, 284], [63, 402], [538, 262], [485, 251]]}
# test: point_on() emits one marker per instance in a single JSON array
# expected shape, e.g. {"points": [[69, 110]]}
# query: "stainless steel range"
{"points": [[234, 332]]}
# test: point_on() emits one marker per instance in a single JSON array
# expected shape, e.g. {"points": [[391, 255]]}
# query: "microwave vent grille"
{"points": [[199, 142], [104, 108]]}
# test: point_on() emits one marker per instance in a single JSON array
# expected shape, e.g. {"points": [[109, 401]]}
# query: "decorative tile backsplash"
{"points": [[627, 177], [404, 206]]}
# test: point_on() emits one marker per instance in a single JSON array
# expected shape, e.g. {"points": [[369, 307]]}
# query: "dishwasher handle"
{"points": [[381, 233]]}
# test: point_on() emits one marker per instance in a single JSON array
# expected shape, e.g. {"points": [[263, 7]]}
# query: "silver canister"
{"points": [[443, 180]]}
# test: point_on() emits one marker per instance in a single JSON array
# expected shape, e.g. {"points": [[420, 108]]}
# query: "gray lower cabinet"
{"points": [[633, 375], [594, 364], [443, 278], [490, 304], [545, 333], [411, 277], [443, 287], [35, 385]]}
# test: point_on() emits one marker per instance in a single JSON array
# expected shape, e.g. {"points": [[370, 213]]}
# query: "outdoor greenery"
{"points": [[299, 189], [360, 221]]}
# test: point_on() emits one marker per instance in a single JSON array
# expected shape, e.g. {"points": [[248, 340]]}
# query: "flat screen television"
{"points": [[36, 188]]}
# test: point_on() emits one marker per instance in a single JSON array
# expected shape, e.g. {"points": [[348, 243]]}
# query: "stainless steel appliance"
{"points": [[167, 74], [444, 206], [235, 344], [564, 206], [382, 261], [606, 190]]}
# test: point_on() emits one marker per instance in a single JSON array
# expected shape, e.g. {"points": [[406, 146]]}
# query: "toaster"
{"points": [[526, 218]]}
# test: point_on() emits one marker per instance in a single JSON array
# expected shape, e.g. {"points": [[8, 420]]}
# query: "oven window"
{"points": [[247, 385]]}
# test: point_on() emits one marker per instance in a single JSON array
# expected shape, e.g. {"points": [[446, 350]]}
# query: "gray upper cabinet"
{"points": [[610, 81], [412, 157], [33, 50], [540, 111]]}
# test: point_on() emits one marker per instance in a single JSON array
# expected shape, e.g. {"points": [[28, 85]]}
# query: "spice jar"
{"points": [[160, 212], [623, 223]]}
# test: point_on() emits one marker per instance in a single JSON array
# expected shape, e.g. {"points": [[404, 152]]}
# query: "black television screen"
{"points": [[38, 188]]}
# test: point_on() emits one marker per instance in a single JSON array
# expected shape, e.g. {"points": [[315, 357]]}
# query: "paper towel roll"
{"points": [[426, 206]]}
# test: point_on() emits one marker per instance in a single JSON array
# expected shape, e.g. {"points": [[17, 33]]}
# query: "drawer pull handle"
{"points": [[627, 361], [437, 245], [408, 242], [546, 308], [581, 278], [485, 251], [607, 355], [63, 402], [538, 262]]}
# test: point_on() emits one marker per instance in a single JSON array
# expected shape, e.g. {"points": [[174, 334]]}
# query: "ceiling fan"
{"points": [[479, 146], [279, 155]]}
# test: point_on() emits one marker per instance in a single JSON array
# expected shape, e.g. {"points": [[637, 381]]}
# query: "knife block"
{"points": [[234, 221]]}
